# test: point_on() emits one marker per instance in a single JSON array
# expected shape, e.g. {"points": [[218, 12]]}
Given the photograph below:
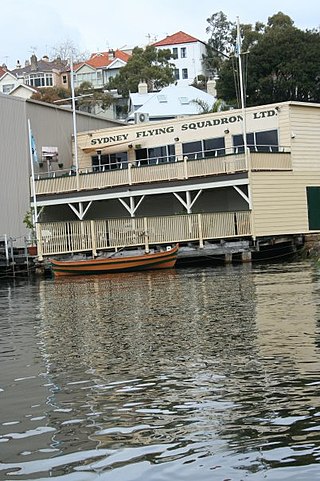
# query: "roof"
{"points": [[176, 39], [173, 101], [103, 59], [41, 66], [2, 72]]}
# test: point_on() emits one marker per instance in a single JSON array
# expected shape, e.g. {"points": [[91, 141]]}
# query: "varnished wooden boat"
{"points": [[116, 263]]}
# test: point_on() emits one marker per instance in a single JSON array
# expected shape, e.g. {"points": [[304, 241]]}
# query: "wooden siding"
{"points": [[305, 142], [279, 202]]}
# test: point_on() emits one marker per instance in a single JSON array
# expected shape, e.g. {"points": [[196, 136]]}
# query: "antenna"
{"points": [[33, 49]]}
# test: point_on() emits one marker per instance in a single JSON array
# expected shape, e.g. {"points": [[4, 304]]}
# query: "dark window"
{"points": [[267, 141], [257, 142], [175, 52], [183, 52], [118, 160], [192, 150], [176, 73], [184, 73], [213, 147], [156, 155]]}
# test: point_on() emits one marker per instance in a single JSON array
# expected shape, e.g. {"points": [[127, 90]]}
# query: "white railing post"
{"points": [[129, 173], [39, 242], [200, 231], [93, 239], [185, 166]]}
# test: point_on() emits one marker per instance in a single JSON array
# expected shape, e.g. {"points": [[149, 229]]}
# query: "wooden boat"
{"points": [[116, 263]]}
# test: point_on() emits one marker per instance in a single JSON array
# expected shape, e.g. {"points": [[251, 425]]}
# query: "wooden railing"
{"points": [[93, 235], [179, 170]]}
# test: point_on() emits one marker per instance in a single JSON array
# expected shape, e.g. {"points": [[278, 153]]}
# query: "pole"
{"points": [[74, 118], [35, 209], [242, 94]]}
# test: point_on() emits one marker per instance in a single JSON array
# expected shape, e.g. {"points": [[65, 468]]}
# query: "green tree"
{"points": [[88, 98], [280, 63], [149, 64], [220, 42], [51, 94]]}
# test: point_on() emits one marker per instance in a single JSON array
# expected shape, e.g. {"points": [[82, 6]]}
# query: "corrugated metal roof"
{"points": [[178, 101]]}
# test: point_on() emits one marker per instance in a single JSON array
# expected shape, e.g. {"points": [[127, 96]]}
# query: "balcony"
{"points": [[158, 170]]}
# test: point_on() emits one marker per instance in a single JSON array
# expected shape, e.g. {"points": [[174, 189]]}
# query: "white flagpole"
{"points": [[35, 209], [74, 117], [242, 93]]}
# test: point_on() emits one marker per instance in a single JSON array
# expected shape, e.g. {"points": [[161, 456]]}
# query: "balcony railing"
{"points": [[153, 170], [54, 238]]}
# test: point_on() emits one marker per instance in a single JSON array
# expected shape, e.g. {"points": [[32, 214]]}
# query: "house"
{"points": [[188, 52], [100, 67], [23, 91], [8, 81], [170, 102], [193, 180], [43, 73]]}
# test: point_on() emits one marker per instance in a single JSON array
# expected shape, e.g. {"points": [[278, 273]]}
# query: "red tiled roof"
{"points": [[176, 38], [103, 59], [2, 71]]}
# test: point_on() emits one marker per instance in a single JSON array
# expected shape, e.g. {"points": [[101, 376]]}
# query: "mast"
{"points": [[244, 122], [74, 118]]}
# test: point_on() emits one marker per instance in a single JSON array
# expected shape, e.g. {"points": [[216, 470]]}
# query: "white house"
{"points": [[8, 81], [188, 52], [170, 102]]}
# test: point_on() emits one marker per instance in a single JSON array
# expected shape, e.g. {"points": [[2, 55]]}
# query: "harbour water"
{"points": [[190, 374]]}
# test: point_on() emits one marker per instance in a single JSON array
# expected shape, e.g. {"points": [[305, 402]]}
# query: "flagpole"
{"points": [[35, 209], [242, 94], [74, 117]]}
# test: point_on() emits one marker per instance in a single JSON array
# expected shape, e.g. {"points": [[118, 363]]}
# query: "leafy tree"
{"points": [[149, 64], [280, 63], [88, 98], [51, 94], [218, 106], [220, 41]]}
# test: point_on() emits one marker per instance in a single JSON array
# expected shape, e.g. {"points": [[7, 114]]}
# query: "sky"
{"points": [[39, 26]]}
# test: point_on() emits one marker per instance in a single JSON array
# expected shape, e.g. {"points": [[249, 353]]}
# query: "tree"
{"points": [[88, 98], [51, 94], [218, 106], [149, 64], [280, 63], [66, 49], [219, 44]]}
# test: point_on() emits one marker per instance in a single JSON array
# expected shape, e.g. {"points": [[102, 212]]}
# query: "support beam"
{"points": [[188, 203], [80, 212], [243, 195], [132, 208]]}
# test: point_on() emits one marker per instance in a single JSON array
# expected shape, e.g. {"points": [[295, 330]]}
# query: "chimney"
{"points": [[18, 64], [211, 87], [34, 62], [142, 87]]}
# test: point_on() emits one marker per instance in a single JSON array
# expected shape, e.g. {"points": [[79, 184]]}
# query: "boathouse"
{"points": [[196, 180]]}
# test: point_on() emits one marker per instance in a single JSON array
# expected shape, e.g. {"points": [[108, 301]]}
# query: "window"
{"points": [[103, 162], [183, 52], [175, 52], [7, 88], [184, 73], [258, 142], [40, 80], [156, 155], [176, 74], [64, 79], [204, 148]]}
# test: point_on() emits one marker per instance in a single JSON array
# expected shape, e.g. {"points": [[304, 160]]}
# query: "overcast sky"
{"points": [[29, 26]]}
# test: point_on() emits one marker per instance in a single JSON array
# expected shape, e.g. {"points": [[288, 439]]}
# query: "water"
{"points": [[193, 374]]}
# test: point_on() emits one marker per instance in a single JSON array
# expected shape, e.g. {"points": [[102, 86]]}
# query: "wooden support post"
{"points": [[146, 235], [93, 239], [228, 258], [246, 256], [200, 231], [39, 242]]}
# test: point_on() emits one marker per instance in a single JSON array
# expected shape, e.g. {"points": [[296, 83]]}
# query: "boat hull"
{"points": [[109, 265]]}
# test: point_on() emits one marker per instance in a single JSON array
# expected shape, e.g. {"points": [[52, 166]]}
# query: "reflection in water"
{"points": [[183, 374]]}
